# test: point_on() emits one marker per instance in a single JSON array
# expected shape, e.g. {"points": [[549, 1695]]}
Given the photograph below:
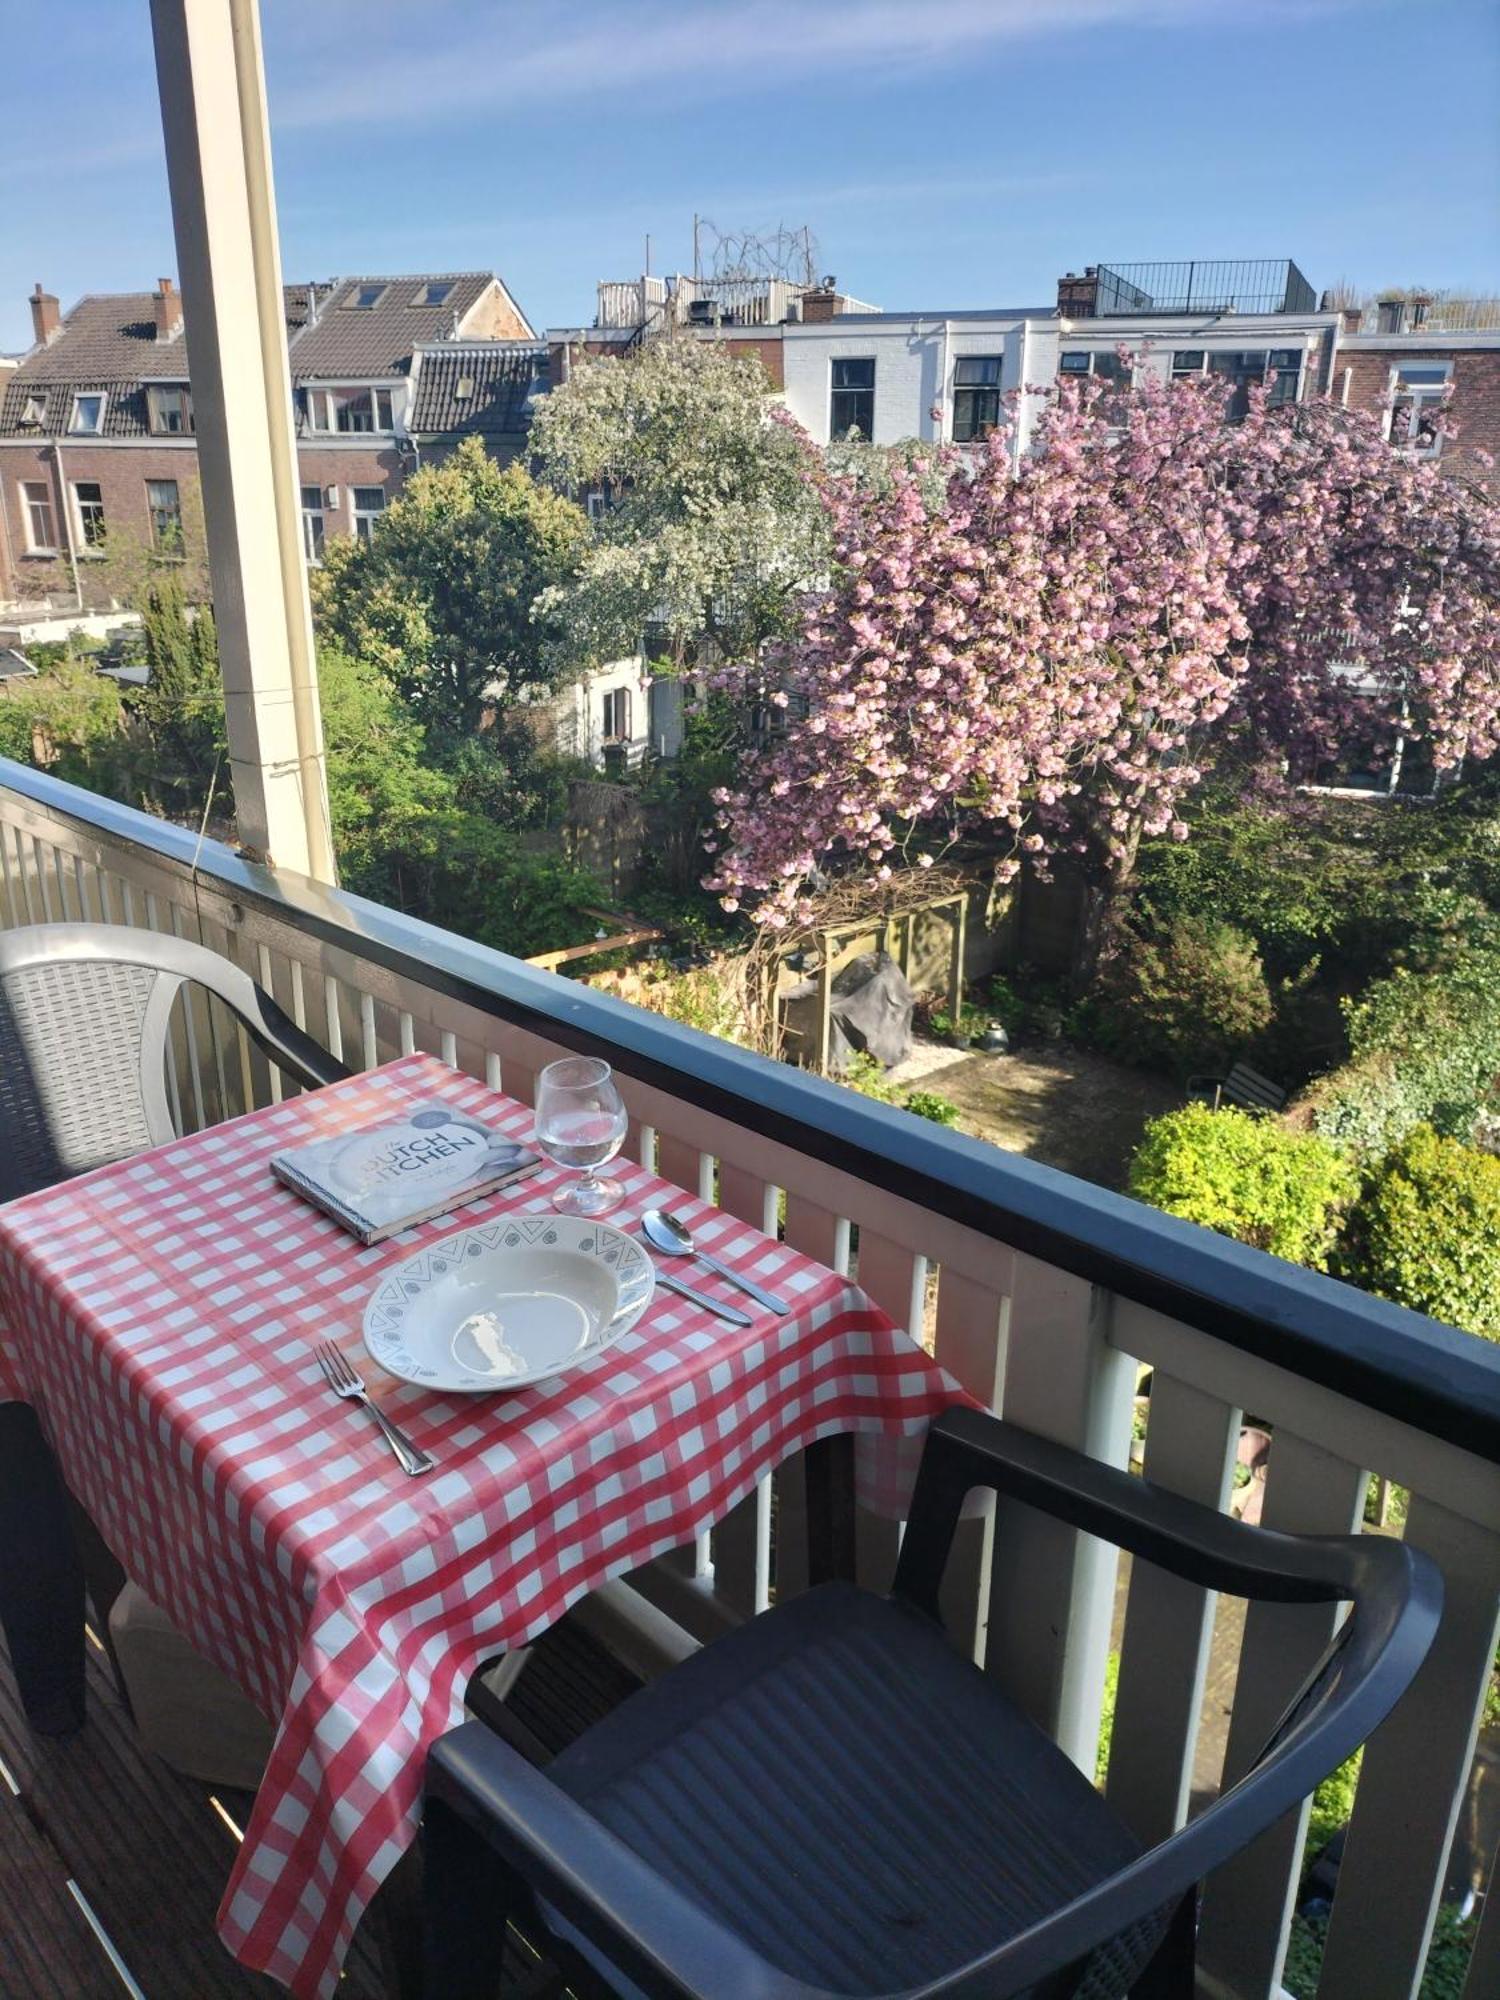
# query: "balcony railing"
{"points": [[1253, 285], [1044, 1293]]}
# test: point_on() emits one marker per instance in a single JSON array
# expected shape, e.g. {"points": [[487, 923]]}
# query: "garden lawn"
{"points": [[1058, 1105]]}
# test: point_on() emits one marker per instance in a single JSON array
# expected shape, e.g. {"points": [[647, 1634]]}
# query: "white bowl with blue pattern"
{"points": [[506, 1303]]}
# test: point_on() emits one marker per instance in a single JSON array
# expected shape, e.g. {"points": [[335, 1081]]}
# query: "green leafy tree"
{"points": [[1425, 1049], [177, 718], [1426, 1232], [69, 720], [404, 838], [443, 599], [1247, 1176], [1186, 999], [714, 527]]}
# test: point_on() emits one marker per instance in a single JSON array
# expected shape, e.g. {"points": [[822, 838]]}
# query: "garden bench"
{"points": [[1243, 1086]]}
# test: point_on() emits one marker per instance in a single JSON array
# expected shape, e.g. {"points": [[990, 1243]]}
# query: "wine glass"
{"points": [[580, 1122]]}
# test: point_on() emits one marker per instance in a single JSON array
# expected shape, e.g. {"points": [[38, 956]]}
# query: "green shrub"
{"points": [[1332, 1803], [929, 1104], [1248, 1177], [1425, 1051], [1186, 999], [1426, 1232], [866, 1076], [1447, 1958]]}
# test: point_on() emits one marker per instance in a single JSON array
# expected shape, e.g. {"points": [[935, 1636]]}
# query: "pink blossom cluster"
{"points": [[1050, 650]]}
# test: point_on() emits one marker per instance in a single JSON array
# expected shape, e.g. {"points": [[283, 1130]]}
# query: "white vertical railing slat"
{"points": [[1169, 1622], [1247, 1906], [1052, 1589], [1414, 1776]]}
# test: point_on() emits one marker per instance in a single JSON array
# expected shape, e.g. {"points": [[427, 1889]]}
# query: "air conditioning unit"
{"points": [[702, 312]]}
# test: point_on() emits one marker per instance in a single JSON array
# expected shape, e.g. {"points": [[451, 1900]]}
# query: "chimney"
{"points": [[1392, 315], [46, 320], [1353, 318], [820, 302], [167, 308], [1421, 305], [1078, 298]]}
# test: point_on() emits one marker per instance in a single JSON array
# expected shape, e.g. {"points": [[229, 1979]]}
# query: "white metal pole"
{"points": [[211, 81]]}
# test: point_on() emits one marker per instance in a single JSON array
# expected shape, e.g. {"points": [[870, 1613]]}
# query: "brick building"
{"points": [[97, 452], [1409, 358]]}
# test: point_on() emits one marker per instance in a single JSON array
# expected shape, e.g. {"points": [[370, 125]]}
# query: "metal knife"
{"points": [[731, 1313]]}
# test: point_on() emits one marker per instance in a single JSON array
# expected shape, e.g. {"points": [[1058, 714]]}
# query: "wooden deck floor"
{"points": [[112, 1866]]}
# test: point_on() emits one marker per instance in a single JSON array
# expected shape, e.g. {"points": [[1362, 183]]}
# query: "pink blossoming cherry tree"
{"points": [[1048, 653]]}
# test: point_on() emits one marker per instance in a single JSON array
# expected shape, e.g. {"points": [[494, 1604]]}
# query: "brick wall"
{"points": [[493, 317], [348, 466], [1474, 410], [121, 472]]}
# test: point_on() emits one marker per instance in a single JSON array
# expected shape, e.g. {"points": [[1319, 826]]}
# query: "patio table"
{"points": [[160, 1316]]}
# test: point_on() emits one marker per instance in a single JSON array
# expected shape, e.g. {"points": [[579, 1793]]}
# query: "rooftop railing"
{"points": [[1254, 285]]}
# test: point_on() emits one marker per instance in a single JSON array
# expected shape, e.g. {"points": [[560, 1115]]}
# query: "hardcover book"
{"points": [[390, 1177]]}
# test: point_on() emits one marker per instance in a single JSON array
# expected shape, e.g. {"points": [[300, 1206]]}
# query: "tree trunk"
{"points": [[1088, 940]]}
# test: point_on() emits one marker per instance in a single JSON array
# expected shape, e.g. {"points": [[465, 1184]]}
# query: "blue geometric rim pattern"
{"points": [[384, 1315]]}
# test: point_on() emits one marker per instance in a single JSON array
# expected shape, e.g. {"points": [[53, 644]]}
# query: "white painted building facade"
{"points": [[940, 377]]}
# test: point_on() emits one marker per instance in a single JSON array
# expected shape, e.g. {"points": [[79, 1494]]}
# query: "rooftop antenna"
{"points": [[648, 253]]}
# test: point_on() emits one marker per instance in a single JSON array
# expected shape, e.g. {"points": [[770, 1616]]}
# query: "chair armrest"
{"points": [[1361, 1678], [968, 1448], [661, 1939]]}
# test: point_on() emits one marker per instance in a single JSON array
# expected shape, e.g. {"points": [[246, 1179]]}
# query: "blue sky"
{"points": [[945, 153]]}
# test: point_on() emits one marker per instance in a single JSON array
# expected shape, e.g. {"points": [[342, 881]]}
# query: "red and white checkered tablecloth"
{"points": [[160, 1314]]}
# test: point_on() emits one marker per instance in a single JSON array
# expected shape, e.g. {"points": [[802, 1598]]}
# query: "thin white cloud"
{"points": [[418, 65]]}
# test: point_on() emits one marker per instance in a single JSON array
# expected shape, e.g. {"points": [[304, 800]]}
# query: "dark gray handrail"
{"points": [[1400, 1363]]}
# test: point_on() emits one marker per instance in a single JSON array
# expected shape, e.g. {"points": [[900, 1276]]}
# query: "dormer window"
{"points": [[434, 293], [34, 413], [87, 419], [367, 297], [349, 412], [169, 407], [463, 388]]}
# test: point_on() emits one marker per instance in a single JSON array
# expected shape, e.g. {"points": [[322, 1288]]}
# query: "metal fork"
{"points": [[344, 1381]]}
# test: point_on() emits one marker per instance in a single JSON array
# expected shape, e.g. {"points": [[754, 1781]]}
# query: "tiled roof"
{"points": [[478, 388], [108, 341], [348, 340], [124, 409]]}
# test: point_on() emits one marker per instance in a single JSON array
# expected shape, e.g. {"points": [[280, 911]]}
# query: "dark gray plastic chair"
{"points": [[85, 1012], [833, 1801]]}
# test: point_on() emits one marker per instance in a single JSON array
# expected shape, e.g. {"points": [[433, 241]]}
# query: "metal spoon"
{"points": [[665, 1232]]}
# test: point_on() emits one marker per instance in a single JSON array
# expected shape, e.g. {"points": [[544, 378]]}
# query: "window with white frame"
{"points": [[87, 417], [164, 507], [350, 412], [88, 511], [36, 506], [1101, 362], [313, 525], [852, 398], [976, 396], [617, 716], [1279, 367], [369, 505], [34, 412], [169, 409], [1418, 390]]}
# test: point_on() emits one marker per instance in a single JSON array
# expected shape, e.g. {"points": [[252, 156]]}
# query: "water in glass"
{"points": [[580, 1122]]}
